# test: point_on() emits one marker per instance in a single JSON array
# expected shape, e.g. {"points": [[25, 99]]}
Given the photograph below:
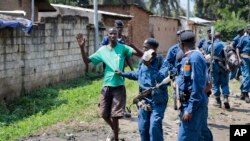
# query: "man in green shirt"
{"points": [[113, 93]]}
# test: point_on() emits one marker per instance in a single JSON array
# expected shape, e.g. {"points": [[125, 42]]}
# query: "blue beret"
{"points": [[151, 42], [239, 30], [187, 36], [119, 23]]}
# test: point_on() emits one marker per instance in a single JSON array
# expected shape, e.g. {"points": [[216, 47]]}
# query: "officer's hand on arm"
{"points": [[81, 43], [118, 72], [187, 116]]}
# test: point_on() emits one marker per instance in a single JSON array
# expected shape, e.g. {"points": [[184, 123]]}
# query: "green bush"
{"points": [[229, 23]]}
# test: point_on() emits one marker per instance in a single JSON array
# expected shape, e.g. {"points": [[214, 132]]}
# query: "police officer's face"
{"points": [[119, 29], [112, 34], [248, 30]]}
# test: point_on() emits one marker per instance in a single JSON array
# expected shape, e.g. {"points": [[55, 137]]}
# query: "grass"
{"points": [[44, 107]]}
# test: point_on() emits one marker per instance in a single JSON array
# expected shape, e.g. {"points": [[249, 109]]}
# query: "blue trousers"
{"points": [[220, 80], [206, 134], [245, 70], [192, 130], [150, 123]]}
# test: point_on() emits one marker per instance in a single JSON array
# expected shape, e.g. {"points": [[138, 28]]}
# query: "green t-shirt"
{"points": [[114, 60]]}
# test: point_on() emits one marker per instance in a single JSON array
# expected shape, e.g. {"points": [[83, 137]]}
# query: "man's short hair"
{"points": [[119, 23]]}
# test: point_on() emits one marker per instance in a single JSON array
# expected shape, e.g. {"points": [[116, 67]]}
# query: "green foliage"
{"points": [[229, 23]]}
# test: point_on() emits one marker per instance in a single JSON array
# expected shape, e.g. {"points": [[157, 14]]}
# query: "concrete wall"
{"points": [[49, 55], [164, 30]]}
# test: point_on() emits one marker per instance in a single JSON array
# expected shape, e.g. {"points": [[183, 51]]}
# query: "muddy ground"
{"points": [[219, 121]]}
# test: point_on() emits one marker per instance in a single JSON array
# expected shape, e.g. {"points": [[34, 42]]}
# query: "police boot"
{"points": [[217, 102], [242, 96], [247, 97], [226, 103]]}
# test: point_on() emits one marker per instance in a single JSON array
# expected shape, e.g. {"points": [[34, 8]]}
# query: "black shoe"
{"points": [[247, 99], [242, 96], [226, 103], [217, 102]]}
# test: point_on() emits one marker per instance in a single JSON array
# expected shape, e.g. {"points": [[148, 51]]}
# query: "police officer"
{"points": [[220, 75], [191, 84], [205, 43], [243, 52], [170, 58], [240, 32], [148, 75]]}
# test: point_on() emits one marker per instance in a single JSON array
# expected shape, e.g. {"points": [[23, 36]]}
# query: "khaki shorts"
{"points": [[112, 101]]}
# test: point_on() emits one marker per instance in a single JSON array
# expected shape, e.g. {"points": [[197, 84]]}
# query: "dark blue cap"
{"points": [[119, 23], [187, 36], [239, 30], [150, 42], [209, 30]]}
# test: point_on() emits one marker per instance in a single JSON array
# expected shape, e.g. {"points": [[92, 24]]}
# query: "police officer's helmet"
{"points": [[119, 23], [187, 36], [151, 42]]}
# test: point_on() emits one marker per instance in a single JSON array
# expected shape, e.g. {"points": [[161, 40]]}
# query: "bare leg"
{"points": [[116, 127], [110, 123]]}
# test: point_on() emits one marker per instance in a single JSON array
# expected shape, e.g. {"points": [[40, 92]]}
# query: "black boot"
{"points": [[217, 102], [246, 97], [242, 96], [226, 103]]}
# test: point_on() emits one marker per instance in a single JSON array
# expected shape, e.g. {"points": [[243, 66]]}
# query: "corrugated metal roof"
{"points": [[14, 12], [197, 20], [91, 10]]}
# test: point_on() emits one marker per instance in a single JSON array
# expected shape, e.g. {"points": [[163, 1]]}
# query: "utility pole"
{"points": [[96, 25], [33, 11], [188, 9]]}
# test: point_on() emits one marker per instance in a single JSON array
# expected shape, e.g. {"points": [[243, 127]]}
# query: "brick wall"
{"points": [[164, 30], [138, 27], [49, 55]]}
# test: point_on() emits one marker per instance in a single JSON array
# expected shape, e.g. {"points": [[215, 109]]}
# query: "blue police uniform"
{"points": [[150, 122], [192, 94], [204, 44], [235, 41], [197, 102], [220, 78], [105, 41], [244, 48], [170, 59]]}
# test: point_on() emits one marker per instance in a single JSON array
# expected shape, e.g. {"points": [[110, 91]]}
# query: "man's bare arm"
{"points": [[81, 43], [137, 51]]}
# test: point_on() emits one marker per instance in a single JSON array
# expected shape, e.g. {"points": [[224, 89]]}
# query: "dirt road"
{"points": [[219, 122]]}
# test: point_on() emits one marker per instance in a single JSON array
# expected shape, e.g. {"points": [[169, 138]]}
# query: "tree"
{"points": [[230, 22], [209, 9]]}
